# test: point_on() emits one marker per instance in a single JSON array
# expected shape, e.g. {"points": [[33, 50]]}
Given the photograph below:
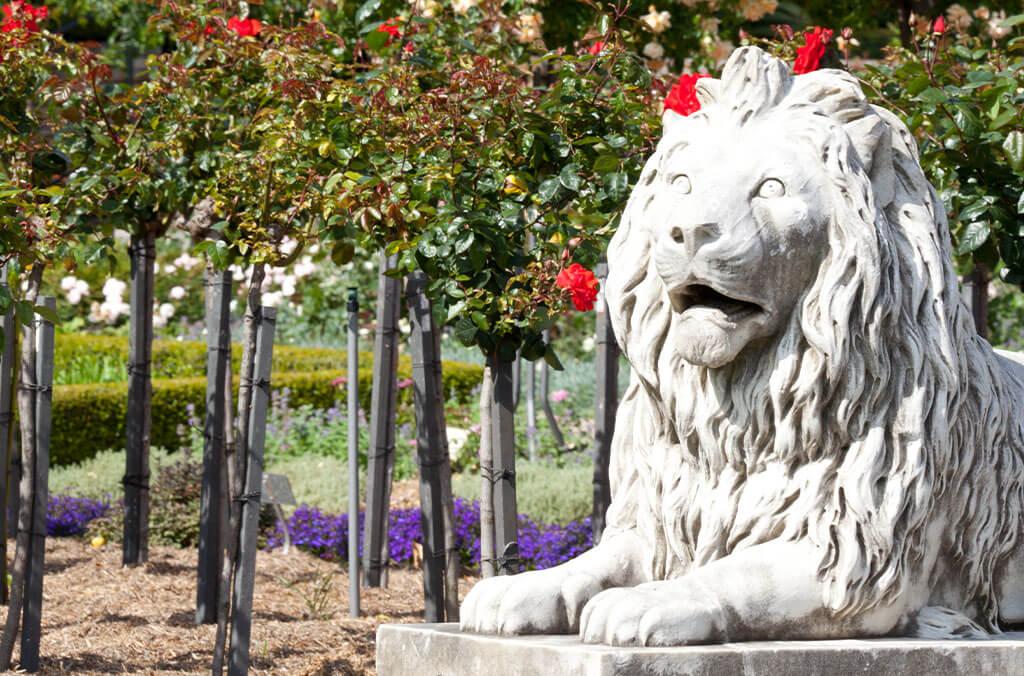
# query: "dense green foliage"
{"points": [[104, 405]]}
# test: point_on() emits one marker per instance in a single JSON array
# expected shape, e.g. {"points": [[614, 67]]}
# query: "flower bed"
{"points": [[67, 515], [540, 545]]}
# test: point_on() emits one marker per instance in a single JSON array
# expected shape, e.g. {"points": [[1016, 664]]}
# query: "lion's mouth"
{"points": [[700, 297]]}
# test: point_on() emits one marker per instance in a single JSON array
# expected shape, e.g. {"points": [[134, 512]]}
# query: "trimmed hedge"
{"points": [[88, 419], [187, 359]]}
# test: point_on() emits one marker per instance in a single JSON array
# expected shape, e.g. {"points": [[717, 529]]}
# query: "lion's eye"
{"points": [[771, 187], [681, 183]]}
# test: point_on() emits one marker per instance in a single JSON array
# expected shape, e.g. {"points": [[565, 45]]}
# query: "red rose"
{"points": [[245, 27], [939, 27], [21, 15], [581, 283], [808, 57], [682, 98], [596, 48], [391, 28]]}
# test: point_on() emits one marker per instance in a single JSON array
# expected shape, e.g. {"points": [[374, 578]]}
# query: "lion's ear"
{"points": [[872, 139], [670, 119], [708, 90]]}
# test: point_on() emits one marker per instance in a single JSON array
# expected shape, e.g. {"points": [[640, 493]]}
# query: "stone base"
{"points": [[442, 650]]}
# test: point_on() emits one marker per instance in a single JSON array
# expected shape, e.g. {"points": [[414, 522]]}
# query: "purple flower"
{"points": [[67, 515]]}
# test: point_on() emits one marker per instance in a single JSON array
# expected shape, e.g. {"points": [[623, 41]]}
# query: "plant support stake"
{"points": [[140, 392], [431, 447], [383, 404], [503, 475], [7, 357], [211, 516], [353, 453], [242, 590]]}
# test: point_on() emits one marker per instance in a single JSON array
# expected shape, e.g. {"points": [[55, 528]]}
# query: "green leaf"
{"points": [[331, 182], [342, 252], [1014, 148], [46, 313], [552, 359], [547, 190], [465, 331], [366, 10], [932, 95], [974, 235], [1020, 203], [606, 163], [569, 177]]}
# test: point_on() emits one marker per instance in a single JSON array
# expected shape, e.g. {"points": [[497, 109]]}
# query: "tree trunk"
{"points": [[531, 411], [488, 558], [975, 292], [140, 393], [506, 517], [40, 471], [7, 371], [245, 568], [607, 399], [26, 489], [383, 408], [235, 456], [545, 402]]}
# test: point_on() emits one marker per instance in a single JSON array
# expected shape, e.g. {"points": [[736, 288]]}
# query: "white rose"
{"points": [[176, 293], [653, 50], [656, 22]]}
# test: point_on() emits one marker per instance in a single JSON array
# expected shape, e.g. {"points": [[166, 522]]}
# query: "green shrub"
{"points": [[82, 359], [88, 419], [548, 493], [174, 507]]}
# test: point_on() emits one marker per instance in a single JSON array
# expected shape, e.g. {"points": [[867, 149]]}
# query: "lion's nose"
{"points": [[692, 236]]}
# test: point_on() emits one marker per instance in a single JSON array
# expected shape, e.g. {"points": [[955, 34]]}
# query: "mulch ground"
{"points": [[102, 618]]}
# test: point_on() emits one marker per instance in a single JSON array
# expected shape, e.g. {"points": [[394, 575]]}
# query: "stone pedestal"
{"points": [[441, 649]]}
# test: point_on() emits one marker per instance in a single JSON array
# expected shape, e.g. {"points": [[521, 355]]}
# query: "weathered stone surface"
{"points": [[815, 442], [441, 649]]}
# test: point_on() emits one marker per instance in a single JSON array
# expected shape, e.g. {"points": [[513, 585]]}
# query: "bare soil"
{"points": [[102, 618]]}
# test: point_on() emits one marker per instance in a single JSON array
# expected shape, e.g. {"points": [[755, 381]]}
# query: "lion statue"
{"points": [[815, 442]]}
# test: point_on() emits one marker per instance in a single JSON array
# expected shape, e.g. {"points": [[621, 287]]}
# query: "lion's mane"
{"points": [[876, 414]]}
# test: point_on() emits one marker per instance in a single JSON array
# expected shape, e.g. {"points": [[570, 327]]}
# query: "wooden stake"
{"points": [[40, 471], [353, 453], [504, 474], [211, 517], [7, 357], [606, 394], [531, 410], [245, 573], [383, 406], [140, 393], [545, 397], [431, 447]]}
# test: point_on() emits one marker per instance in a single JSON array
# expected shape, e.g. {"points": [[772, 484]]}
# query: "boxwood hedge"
{"points": [[182, 359], [90, 418]]}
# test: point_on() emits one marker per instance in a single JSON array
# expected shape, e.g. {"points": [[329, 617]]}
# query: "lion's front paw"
{"points": [[654, 614], [537, 602]]}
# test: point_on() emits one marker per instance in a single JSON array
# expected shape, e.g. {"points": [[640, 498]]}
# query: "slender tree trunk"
{"points": [[975, 292], [506, 516], [606, 395], [31, 627], [140, 394], [453, 562], [531, 410], [488, 563], [245, 567], [545, 397], [7, 371], [26, 489], [237, 451]]}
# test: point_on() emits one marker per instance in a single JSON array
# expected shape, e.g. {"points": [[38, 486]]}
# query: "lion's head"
{"points": [[782, 286]]}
